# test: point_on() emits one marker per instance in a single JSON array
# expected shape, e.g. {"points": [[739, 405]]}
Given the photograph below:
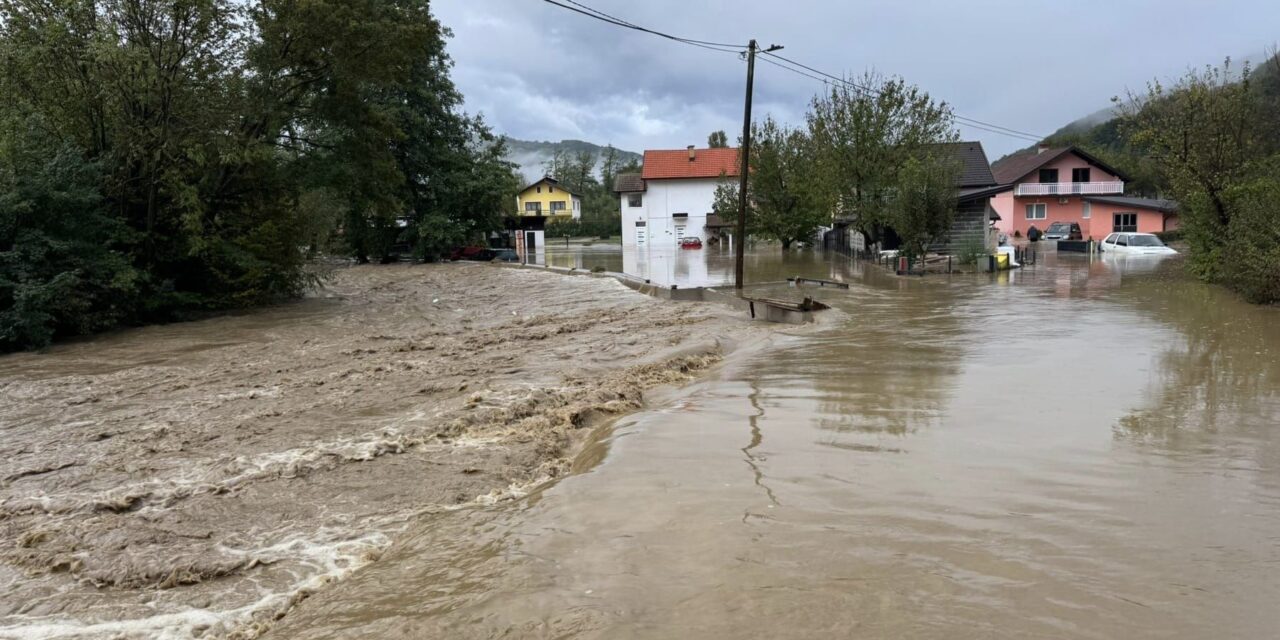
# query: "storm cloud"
{"points": [[539, 72]]}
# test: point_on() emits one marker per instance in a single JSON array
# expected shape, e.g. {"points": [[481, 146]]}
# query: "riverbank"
{"points": [[204, 477]]}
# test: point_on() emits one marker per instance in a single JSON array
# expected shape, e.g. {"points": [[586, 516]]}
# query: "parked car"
{"points": [[690, 243], [506, 255], [470, 253], [1144, 244], [1063, 231]]}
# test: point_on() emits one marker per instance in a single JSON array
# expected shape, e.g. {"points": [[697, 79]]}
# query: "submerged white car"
{"points": [[1135, 244]]}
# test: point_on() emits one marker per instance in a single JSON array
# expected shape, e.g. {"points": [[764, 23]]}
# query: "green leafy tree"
{"points": [[789, 202], [923, 204], [1203, 134], [1251, 254], [863, 137], [227, 137], [60, 271], [718, 140]]}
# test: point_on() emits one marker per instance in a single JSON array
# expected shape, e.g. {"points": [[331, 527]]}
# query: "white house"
{"points": [[672, 198]]}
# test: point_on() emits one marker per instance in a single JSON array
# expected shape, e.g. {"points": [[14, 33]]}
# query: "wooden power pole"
{"points": [[744, 161], [744, 155]]}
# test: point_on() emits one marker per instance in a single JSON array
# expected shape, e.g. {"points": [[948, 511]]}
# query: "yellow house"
{"points": [[547, 198]]}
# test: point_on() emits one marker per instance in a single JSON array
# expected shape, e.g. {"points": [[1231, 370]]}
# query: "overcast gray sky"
{"points": [[540, 72]]}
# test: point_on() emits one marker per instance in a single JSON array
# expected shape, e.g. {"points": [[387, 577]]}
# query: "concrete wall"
{"points": [[1099, 223], [1149, 220], [661, 201], [1003, 205]]}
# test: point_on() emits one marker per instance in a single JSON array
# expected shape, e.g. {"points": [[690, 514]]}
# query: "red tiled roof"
{"points": [[706, 163]]}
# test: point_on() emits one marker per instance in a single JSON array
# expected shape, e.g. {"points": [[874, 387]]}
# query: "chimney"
{"points": [[691, 153], [1042, 147]]}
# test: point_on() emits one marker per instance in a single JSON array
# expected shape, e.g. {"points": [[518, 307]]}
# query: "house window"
{"points": [[1037, 211], [551, 189], [539, 189], [1088, 211], [1125, 223], [557, 205], [532, 207], [679, 215], [640, 223], [635, 199], [1048, 176], [1080, 175]]}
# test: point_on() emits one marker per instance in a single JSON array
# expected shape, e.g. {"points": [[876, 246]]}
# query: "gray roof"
{"points": [[1156, 204], [628, 182], [975, 171], [970, 193]]}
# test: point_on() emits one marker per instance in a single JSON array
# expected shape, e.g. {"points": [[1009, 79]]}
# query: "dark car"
{"points": [[506, 255], [1063, 231], [471, 253]]}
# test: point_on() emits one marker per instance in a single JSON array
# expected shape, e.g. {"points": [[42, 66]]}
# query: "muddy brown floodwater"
{"points": [[200, 479], [1082, 449]]}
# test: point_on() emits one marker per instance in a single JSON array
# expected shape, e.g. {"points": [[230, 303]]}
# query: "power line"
{"points": [[978, 124], [821, 76], [618, 22], [866, 91]]}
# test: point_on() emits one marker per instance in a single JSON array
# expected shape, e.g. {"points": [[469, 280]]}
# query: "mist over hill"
{"points": [[531, 155]]}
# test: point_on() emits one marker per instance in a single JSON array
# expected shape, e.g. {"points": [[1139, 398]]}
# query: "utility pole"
{"points": [[744, 158]]}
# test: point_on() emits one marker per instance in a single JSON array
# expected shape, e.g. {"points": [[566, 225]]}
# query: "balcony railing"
{"points": [[1069, 188]]}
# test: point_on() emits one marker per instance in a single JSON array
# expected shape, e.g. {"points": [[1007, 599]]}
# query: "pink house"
{"points": [[1067, 184]]}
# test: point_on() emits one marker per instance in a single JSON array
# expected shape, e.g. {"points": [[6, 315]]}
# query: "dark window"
{"points": [[557, 205], [533, 207], [635, 200], [1125, 223], [539, 189], [1080, 175], [679, 215], [1048, 175], [639, 223]]}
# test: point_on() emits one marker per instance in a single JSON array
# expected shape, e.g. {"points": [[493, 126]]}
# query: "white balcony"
{"points": [[1070, 189]]}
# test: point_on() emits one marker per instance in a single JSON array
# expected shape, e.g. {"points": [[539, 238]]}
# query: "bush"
{"points": [[59, 273], [971, 250], [1173, 235], [1251, 256], [600, 228]]}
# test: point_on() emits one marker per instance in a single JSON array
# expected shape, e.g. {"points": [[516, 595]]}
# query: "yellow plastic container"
{"points": [[1002, 261]]}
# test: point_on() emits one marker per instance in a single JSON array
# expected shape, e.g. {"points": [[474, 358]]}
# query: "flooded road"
{"points": [[1078, 450]]}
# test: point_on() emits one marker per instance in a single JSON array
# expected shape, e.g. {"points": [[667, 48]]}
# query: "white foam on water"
{"points": [[230, 474], [330, 561]]}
